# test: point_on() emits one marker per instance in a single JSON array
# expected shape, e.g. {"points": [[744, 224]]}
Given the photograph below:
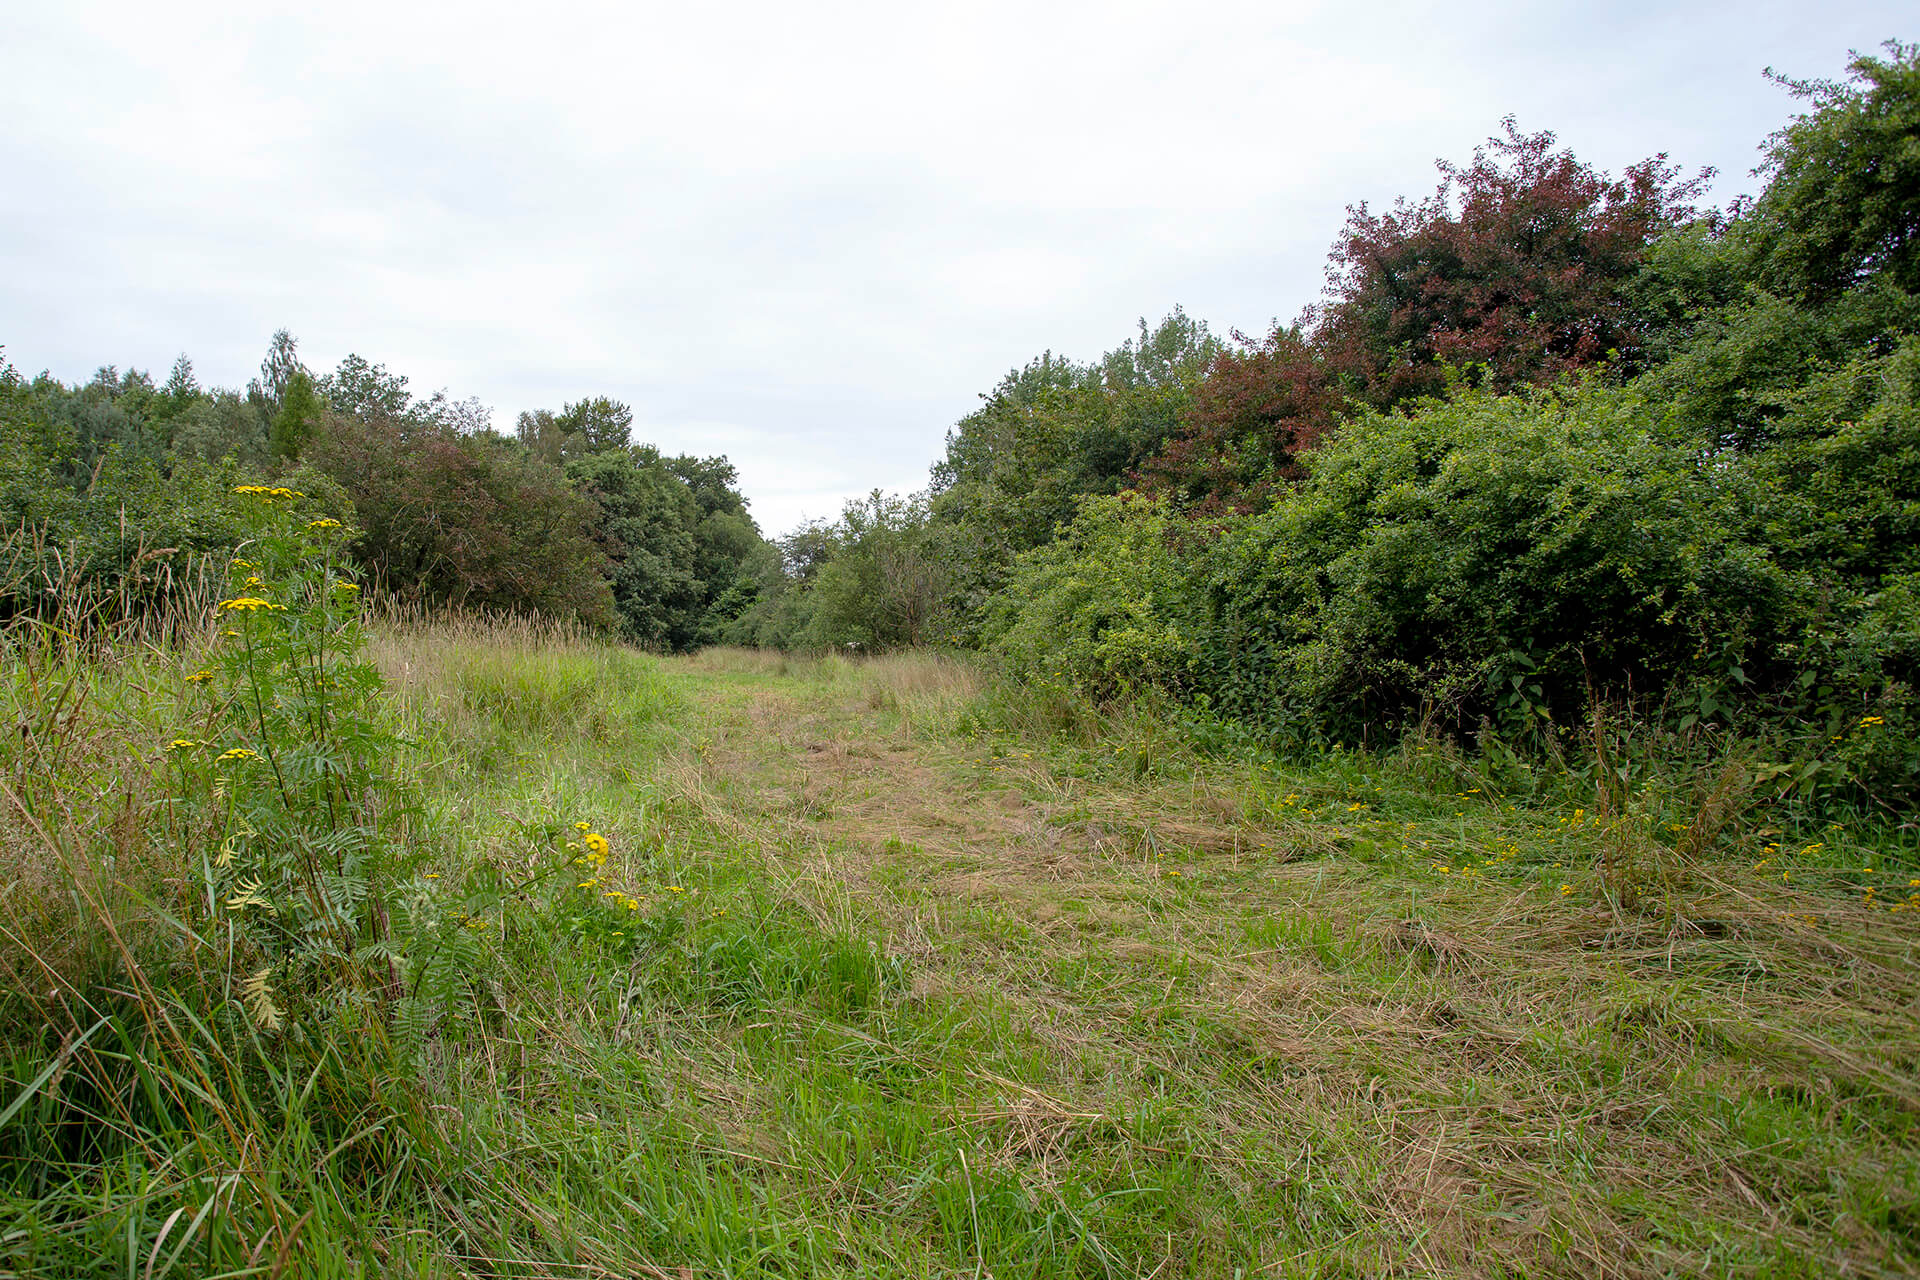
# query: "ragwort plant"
{"points": [[307, 877]]}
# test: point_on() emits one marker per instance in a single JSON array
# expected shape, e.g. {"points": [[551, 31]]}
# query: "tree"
{"points": [[1517, 264], [646, 530], [1258, 408], [278, 369], [596, 424], [1842, 202], [297, 418], [366, 390], [465, 519]]}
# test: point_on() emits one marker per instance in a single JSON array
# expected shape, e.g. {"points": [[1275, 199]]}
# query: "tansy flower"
{"points": [[346, 586], [583, 826], [181, 744], [323, 524], [596, 842], [200, 677], [239, 753], [249, 604]]}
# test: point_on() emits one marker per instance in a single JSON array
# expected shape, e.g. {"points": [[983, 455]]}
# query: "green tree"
{"points": [[297, 418], [1842, 202]]}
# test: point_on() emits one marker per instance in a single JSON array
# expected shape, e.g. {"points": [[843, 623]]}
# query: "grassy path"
{"points": [[924, 988]]}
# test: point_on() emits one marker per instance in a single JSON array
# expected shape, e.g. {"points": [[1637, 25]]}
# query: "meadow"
{"points": [[743, 964]]}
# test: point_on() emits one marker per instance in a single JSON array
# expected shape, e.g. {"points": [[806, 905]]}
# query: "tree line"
{"points": [[120, 481], [1552, 438]]}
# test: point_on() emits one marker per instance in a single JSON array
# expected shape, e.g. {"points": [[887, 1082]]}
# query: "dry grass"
{"points": [[1517, 1079]]}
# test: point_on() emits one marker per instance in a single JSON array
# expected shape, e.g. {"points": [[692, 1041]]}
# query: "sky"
{"points": [[806, 236]]}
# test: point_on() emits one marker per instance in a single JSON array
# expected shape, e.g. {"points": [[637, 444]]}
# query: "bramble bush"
{"points": [[1502, 565]]}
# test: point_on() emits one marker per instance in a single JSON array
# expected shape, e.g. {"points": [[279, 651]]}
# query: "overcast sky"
{"points": [[802, 235]]}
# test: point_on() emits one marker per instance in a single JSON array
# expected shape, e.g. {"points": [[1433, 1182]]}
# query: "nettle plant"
{"points": [[308, 882]]}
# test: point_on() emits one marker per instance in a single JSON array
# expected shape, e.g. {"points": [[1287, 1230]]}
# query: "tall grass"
{"points": [[927, 975]]}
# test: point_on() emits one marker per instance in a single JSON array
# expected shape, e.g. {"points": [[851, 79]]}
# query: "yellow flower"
{"points": [[200, 677], [346, 586], [181, 744], [323, 524], [596, 842], [583, 826], [1872, 720], [239, 753], [249, 604]]}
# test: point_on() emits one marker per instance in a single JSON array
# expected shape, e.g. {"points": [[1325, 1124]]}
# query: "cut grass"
{"points": [[933, 982]]}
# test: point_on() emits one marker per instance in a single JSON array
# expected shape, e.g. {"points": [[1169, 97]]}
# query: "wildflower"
{"points": [[596, 842], [344, 585], [432, 875], [1355, 808], [182, 744], [674, 888], [253, 580], [1872, 720], [249, 604], [328, 523], [200, 677], [245, 564], [239, 753], [588, 884], [1565, 890]]}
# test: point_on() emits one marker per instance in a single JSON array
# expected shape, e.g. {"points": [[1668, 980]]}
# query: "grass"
{"points": [[927, 979]]}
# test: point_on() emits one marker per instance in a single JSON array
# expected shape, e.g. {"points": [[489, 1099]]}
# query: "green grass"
{"points": [[927, 980]]}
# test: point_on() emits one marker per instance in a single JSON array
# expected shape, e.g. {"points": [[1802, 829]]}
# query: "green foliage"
{"points": [[882, 587], [1052, 432], [298, 416], [1106, 608], [678, 537], [470, 520], [1842, 203], [298, 867]]}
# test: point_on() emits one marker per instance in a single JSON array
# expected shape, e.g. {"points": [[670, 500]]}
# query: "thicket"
{"points": [[1555, 443]]}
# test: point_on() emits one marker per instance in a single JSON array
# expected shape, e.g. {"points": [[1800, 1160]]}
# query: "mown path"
{"points": [[1350, 1020]]}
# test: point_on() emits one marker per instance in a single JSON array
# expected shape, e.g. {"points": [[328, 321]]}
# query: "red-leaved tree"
{"points": [[1516, 265], [1257, 408]]}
